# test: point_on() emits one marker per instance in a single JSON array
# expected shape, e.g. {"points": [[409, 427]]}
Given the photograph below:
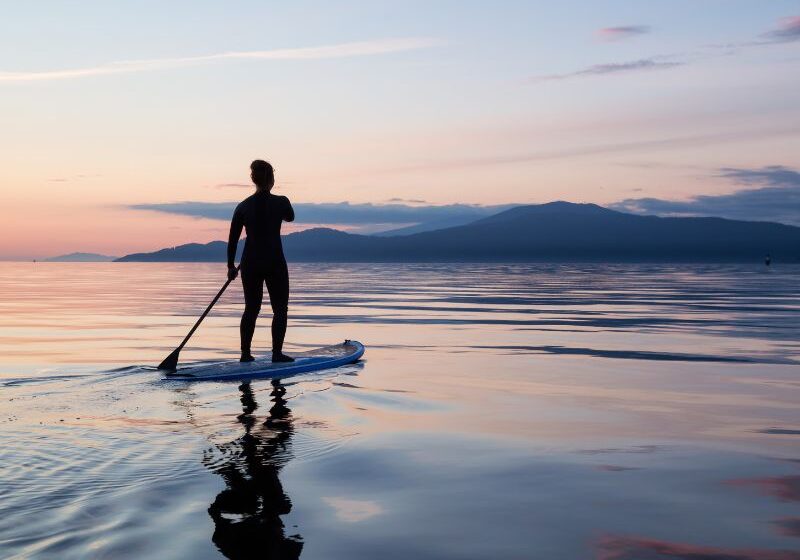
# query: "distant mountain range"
{"points": [[557, 231], [81, 257]]}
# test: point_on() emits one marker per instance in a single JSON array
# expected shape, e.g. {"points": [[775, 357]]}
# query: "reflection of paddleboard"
{"points": [[320, 358]]}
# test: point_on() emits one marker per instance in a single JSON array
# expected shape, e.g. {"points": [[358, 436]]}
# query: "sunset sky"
{"points": [[117, 117]]}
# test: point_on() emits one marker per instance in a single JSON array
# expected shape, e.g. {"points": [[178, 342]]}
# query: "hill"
{"points": [[557, 231]]}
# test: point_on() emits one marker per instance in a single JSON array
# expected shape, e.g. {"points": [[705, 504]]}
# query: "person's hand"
{"points": [[233, 272]]}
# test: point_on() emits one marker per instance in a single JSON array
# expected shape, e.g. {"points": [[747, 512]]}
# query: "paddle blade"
{"points": [[170, 363]]}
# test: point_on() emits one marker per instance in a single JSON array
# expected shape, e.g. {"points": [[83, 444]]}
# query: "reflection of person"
{"points": [[261, 215], [247, 512]]}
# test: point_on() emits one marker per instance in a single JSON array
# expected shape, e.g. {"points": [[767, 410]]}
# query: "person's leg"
{"points": [[278, 287], [253, 286]]}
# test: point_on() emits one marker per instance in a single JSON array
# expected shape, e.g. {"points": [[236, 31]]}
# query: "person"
{"points": [[263, 262]]}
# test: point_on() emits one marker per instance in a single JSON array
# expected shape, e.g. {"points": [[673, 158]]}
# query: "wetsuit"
{"points": [[262, 262]]}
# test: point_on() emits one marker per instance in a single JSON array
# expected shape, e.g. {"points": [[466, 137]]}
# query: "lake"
{"points": [[615, 412]]}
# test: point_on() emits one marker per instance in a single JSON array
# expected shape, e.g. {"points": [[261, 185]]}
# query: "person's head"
{"points": [[262, 174]]}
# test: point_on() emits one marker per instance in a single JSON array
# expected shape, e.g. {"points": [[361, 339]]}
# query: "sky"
{"points": [[118, 120]]}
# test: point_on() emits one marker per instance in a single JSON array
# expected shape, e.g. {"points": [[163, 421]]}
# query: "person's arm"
{"points": [[237, 223], [288, 211]]}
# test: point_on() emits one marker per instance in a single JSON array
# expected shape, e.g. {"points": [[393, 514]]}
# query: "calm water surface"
{"points": [[502, 411]]}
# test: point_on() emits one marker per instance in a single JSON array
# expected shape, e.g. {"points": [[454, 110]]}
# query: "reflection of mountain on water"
{"points": [[247, 513]]}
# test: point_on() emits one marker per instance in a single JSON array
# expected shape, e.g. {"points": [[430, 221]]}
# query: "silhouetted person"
{"points": [[768, 259], [246, 514], [261, 215]]}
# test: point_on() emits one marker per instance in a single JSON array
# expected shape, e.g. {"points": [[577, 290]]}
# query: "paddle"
{"points": [[170, 363]]}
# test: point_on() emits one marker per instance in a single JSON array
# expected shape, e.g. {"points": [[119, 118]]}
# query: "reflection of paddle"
{"points": [[170, 363]]}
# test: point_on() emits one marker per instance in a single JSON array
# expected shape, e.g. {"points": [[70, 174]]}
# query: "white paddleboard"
{"points": [[312, 360]]}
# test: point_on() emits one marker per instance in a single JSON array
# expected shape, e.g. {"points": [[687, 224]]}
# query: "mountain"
{"points": [[557, 231], [80, 257], [467, 214], [191, 252], [425, 226]]}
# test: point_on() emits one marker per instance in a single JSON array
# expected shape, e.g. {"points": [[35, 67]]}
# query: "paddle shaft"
{"points": [[171, 361]]}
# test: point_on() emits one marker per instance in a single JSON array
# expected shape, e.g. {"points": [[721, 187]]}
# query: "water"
{"points": [[502, 411]]}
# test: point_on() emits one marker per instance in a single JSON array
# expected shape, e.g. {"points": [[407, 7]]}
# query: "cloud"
{"points": [[776, 175], [641, 145], [654, 63], [342, 50], [788, 29], [361, 216], [776, 198], [622, 32]]}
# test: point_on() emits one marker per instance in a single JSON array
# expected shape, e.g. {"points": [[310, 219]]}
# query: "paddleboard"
{"points": [[326, 357]]}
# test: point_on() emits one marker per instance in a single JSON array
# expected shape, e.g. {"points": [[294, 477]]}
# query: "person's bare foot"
{"points": [[247, 357], [281, 357]]}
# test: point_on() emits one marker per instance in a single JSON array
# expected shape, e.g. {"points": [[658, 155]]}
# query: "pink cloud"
{"points": [[621, 32], [788, 29]]}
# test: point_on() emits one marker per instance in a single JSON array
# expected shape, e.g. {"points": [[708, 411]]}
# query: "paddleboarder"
{"points": [[263, 261]]}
